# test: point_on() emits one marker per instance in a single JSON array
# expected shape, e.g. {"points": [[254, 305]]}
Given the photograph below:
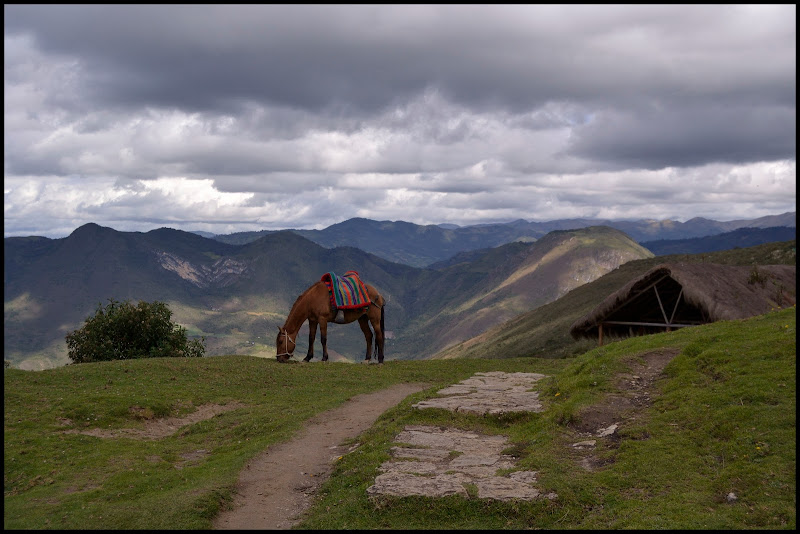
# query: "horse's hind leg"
{"points": [[377, 321], [363, 322], [312, 333], [323, 335]]}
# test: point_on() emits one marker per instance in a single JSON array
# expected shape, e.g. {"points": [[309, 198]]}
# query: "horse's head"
{"points": [[284, 345]]}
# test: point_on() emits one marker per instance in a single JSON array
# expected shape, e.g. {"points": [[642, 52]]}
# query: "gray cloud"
{"points": [[223, 118]]}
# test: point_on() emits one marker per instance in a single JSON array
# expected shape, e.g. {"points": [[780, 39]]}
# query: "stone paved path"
{"points": [[436, 462], [490, 393]]}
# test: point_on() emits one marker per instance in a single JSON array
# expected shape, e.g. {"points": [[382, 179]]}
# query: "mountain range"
{"points": [[423, 245], [235, 295]]}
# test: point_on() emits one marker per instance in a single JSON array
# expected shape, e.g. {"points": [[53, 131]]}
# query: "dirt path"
{"points": [[276, 487]]}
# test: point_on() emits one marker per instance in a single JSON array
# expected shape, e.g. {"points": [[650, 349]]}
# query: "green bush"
{"points": [[122, 331]]}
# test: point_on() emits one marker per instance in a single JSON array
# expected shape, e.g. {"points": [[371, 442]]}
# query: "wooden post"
{"points": [[600, 335]]}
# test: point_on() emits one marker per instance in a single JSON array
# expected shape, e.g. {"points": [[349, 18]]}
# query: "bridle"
{"points": [[288, 339]]}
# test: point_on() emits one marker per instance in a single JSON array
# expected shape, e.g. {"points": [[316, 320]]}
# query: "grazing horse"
{"points": [[315, 305]]}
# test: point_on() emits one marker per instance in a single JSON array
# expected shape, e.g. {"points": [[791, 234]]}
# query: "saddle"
{"points": [[346, 292]]}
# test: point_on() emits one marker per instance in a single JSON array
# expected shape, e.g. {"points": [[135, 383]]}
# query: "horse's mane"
{"points": [[303, 294]]}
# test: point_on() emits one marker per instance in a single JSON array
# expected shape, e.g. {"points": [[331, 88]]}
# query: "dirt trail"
{"points": [[276, 487]]}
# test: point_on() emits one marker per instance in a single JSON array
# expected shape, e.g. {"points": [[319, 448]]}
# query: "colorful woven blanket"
{"points": [[346, 291]]}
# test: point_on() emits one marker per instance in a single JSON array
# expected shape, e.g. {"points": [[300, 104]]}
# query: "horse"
{"points": [[314, 304]]}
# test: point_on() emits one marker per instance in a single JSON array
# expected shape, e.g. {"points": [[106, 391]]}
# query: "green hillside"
{"points": [[719, 421], [544, 331], [490, 289], [740, 238], [236, 296]]}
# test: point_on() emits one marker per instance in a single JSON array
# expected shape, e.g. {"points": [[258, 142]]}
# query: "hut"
{"points": [[676, 295]]}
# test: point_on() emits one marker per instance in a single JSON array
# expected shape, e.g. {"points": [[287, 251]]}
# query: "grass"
{"points": [[544, 331], [724, 421]]}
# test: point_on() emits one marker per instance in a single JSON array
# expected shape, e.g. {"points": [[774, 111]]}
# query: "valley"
{"points": [[236, 295]]}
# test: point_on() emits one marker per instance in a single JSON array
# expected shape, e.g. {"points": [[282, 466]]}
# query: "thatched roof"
{"points": [[674, 295]]}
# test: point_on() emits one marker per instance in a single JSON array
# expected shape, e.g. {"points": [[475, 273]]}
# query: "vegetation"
{"points": [[122, 331], [742, 237], [544, 332], [237, 295], [723, 420]]}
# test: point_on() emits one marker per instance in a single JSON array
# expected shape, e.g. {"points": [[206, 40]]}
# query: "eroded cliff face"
{"points": [[221, 273], [594, 266]]}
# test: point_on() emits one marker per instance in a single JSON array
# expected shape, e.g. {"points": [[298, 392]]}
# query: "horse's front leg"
{"points": [[363, 322], [323, 335], [312, 333]]}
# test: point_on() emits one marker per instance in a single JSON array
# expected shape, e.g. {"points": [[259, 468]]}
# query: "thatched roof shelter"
{"points": [[675, 295]]}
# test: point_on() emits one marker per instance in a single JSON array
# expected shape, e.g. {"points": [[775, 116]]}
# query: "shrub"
{"points": [[122, 331]]}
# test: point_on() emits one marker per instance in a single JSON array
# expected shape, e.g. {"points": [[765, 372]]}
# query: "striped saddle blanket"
{"points": [[346, 292]]}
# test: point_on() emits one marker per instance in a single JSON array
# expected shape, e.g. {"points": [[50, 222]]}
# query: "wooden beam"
{"points": [[662, 325], [661, 305], [675, 309]]}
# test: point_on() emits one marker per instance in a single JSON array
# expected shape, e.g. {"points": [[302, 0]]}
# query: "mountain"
{"points": [[403, 242], [545, 331], [422, 246], [237, 295], [503, 282], [741, 238]]}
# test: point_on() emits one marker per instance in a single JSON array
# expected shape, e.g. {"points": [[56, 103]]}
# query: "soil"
{"points": [[156, 428], [636, 391], [276, 487]]}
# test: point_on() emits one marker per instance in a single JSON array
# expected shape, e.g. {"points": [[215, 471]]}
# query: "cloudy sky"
{"points": [[235, 118]]}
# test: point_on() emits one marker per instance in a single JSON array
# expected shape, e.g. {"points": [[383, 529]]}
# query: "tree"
{"points": [[122, 331]]}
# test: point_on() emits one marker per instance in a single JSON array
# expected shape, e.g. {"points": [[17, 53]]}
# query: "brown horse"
{"points": [[315, 305]]}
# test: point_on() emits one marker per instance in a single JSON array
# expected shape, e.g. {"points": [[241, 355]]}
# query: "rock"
{"points": [[448, 462], [492, 393], [608, 431]]}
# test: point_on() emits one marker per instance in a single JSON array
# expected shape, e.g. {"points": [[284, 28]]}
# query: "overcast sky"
{"points": [[249, 117]]}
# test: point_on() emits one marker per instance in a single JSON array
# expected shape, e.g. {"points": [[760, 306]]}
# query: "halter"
{"points": [[288, 339]]}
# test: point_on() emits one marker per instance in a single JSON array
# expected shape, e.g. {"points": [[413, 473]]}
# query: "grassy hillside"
{"points": [[237, 296], [490, 289], [720, 420], [740, 238], [544, 331]]}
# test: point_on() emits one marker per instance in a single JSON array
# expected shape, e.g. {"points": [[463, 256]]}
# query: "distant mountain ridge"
{"points": [[422, 246], [237, 295], [740, 238]]}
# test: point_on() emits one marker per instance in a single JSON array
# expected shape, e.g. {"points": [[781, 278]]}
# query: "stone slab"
{"points": [[491, 393], [448, 462]]}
